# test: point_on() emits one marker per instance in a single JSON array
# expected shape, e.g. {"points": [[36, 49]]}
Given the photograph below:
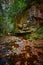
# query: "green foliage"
{"points": [[27, 36], [6, 24], [40, 29], [40, 36], [17, 7], [8, 13], [34, 35]]}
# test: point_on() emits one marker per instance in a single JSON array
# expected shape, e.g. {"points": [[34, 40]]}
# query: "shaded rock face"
{"points": [[34, 15]]}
